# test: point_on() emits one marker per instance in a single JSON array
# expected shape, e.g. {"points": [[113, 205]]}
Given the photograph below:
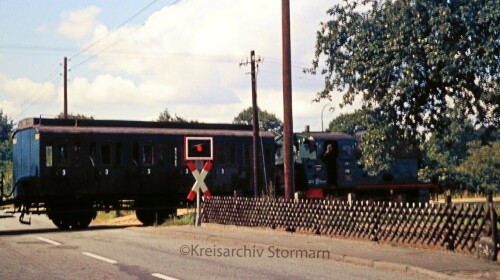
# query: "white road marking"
{"points": [[164, 277], [48, 241], [101, 258]]}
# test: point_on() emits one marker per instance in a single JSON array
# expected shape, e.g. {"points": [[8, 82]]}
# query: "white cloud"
{"points": [[79, 24], [185, 57], [21, 94], [8, 108]]}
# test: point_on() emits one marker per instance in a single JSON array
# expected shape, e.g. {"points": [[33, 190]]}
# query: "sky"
{"points": [[132, 59]]}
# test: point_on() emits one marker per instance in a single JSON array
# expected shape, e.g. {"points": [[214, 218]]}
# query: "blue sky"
{"points": [[132, 59]]}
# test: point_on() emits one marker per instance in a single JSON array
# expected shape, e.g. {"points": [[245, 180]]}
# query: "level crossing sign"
{"points": [[198, 149], [199, 177]]}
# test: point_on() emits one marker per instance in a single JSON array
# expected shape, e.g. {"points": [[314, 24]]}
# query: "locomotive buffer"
{"points": [[198, 149]]}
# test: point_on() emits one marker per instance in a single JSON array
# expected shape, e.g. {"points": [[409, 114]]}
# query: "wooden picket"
{"points": [[448, 226]]}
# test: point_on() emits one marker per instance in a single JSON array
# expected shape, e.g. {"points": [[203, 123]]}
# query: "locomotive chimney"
{"points": [[306, 129]]}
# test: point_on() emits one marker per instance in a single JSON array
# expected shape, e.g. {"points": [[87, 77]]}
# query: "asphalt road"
{"points": [[40, 251]]}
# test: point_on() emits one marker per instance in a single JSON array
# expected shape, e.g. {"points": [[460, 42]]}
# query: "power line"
{"points": [[279, 62], [32, 95], [120, 39], [116, 28], [106, 48], [33, 49], [30, 101]]}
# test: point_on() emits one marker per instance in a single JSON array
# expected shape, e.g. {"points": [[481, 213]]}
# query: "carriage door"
{"points": [[106, 172], [61, 167], [77, 168]]}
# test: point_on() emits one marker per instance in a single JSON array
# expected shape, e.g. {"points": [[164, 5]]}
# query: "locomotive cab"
{"points": [[322, 161]]}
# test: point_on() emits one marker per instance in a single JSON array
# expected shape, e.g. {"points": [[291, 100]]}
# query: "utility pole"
{"points": [[287, 99], [65, 87], [255, 118]]}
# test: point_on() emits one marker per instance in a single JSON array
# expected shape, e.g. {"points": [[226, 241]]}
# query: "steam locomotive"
{"points": [[339, 173], [70, 169]]}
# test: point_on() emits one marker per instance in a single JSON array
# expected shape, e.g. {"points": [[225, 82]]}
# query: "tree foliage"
{"points": [[379, 140], [446, 158], [267, 121], [483, 166], [350, 123], [420, 62], [165, 116], [6, 126], [75, 116]]}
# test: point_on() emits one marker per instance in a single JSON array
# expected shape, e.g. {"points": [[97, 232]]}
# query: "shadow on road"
{"points": [[49, 230], [5, 216]]}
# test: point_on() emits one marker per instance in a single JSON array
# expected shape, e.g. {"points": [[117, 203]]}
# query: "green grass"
{"points": [[187, 219], [103, 216]]}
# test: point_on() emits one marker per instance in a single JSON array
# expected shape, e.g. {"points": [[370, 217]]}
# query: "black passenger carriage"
{"points": [[72, 168]]}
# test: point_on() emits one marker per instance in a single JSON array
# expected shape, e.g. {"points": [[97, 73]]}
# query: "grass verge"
{"points": [[103, 216], [187, 219]]}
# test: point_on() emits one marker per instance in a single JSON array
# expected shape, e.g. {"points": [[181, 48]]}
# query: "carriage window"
{"points": [[347, 150], [246, 154], [159, 155], [118, 153], [92, 150], [77, 150], [106, 153], [231, 155], [48, 156], [220, 155], [135, 153], [175, 161], [62, 154], [279, 153], [147, 156], [267, 155]]}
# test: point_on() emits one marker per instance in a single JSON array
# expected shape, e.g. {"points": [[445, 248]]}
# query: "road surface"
{"points": [[41, 251]]}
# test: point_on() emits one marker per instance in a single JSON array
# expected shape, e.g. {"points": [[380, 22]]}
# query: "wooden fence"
{"points": [[449, 226]]}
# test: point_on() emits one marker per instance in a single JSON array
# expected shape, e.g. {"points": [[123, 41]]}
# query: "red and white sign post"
{"points": [[197, 149], [199, 184]]}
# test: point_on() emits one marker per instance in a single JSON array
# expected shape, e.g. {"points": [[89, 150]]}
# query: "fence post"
{"points": [[237, 193], [493, 221], [487, 247], [450, 236], [1, 185]]}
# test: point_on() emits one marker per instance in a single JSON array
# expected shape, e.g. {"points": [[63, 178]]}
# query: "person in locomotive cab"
{"points": [[330, 160]]}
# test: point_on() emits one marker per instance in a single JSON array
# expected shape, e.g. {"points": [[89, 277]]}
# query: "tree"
{"points": [[267, 121], [443, 154], [6, 126], [420, 62], [444, 157], [75, 117], [483, 166], [379, 142], [350, 123], [166, 117]]}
